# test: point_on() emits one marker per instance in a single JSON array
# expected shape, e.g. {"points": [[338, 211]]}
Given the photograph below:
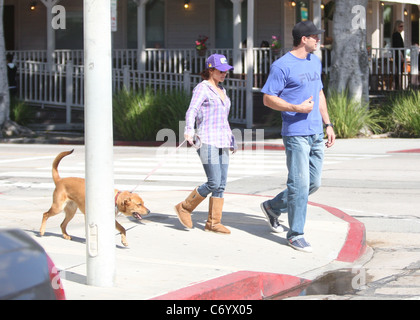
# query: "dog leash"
{"points": [[195, 144]]}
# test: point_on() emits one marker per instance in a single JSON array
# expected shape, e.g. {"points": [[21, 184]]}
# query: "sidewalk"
{"points": [[166, 261]]}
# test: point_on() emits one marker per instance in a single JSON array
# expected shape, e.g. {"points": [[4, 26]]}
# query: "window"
{"points": [[224, 22], [155, 24], [388, 24], [72, 36], [415, 24], [9, 27], [131, 25]]}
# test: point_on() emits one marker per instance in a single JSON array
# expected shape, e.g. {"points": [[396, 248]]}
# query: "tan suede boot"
{"points": [[186, 207], [213, 223]]}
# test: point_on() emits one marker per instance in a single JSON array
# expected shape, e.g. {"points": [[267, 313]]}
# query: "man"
{"points": [[398, 42], [294, 87]]}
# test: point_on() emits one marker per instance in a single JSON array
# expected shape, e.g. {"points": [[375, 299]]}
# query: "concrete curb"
{"points": [[246, 285], [406, 151], [355, 244], [242, 285]]}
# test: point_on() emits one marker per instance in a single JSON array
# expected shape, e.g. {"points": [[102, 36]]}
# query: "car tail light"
{"points": [[55, 280]]}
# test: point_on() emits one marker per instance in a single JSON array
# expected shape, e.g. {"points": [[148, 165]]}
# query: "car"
{"points": [[26, 270]]}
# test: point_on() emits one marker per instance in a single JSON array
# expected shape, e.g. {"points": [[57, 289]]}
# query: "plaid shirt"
{"points": [[210, 113]]}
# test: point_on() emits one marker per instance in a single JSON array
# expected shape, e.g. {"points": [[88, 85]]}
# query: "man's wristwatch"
{"points": [[329, 125]]}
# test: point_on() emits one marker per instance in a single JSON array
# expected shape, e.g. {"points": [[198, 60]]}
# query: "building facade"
{"points": [[168, 24], [154, 44]]}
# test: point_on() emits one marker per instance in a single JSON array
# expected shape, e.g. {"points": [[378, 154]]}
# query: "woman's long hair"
{"points": [[205, 74]]}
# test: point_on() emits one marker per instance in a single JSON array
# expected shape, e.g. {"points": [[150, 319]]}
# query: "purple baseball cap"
{"points": [[219, 62]]}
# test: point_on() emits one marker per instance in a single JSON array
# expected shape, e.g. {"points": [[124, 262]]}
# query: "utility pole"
{"points": [[100, 214]]}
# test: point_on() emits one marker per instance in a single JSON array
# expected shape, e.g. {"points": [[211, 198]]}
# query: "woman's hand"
{"points": [[189, 138]]}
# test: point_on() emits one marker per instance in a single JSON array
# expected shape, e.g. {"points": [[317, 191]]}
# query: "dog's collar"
{"points": [[116, 198]]}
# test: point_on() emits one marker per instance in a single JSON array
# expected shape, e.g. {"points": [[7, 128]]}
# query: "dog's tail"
{"points": [[55, 175]]}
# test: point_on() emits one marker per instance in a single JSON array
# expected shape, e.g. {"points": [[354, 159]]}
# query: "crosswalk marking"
{"points": [[180, 171], [186, 178], [25, 159], [143, 186]]}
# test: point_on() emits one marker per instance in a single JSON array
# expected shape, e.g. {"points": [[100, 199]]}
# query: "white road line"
{"points": [[182, 171], [26, 159], [196, 178], [140, 187]]}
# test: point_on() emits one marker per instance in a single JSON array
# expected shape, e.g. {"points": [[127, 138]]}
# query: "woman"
{"points": [[209, 110]]}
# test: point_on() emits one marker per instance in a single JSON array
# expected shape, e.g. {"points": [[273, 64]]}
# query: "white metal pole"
{"points": [[250, 66], [69, 90], [50, 32], [100, 214], [141, 34], [237, 35], [318, 23]]}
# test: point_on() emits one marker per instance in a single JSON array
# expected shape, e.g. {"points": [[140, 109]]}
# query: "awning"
{"points": [[417, 2]]}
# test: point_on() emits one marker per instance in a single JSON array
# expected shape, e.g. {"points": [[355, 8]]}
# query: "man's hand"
{"points": [[305, 107], [277, 103], [330, 137]]}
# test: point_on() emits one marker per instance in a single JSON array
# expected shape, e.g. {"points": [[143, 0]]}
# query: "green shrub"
{"points": [[406, 113], [138, 116], [383, 109], [350, 118], [20, 112]]}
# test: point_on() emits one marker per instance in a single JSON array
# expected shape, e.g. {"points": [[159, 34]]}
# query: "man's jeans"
{"points": [[304, 161], [215, 163]]}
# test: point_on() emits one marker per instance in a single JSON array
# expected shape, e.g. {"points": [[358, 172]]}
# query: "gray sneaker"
{"points": [[273, 221], [300, 244]]}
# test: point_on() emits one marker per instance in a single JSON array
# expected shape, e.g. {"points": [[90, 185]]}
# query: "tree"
{"points": [[4, 86], [350, 65], [7, 127]]}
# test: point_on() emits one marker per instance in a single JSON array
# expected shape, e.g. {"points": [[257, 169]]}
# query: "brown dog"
{"points": [[69, 194]]}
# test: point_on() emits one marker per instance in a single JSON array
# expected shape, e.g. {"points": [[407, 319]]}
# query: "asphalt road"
{"points": [[366, 178], [383, 193]]}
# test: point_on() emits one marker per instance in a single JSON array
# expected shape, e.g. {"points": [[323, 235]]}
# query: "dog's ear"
{"points": [[126, 201]]}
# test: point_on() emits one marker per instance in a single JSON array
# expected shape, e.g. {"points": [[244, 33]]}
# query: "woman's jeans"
{"points": [[304, 156], [215, 163]]}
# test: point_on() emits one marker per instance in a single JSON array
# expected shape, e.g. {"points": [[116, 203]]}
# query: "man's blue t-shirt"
{"points": [[296, 80]]}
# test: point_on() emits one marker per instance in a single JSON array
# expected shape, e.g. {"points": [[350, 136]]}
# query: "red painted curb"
{"points": [[261, 146], [355, 244], [242, 285], [406, 151], [241, 146], [247, 285], [120, 143]]}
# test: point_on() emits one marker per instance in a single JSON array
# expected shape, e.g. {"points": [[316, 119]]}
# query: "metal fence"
{"points": [[62, 83], [394, 69]]}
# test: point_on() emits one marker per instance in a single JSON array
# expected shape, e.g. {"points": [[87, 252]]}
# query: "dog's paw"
{"points": [[124, 241], [66, 236]]}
